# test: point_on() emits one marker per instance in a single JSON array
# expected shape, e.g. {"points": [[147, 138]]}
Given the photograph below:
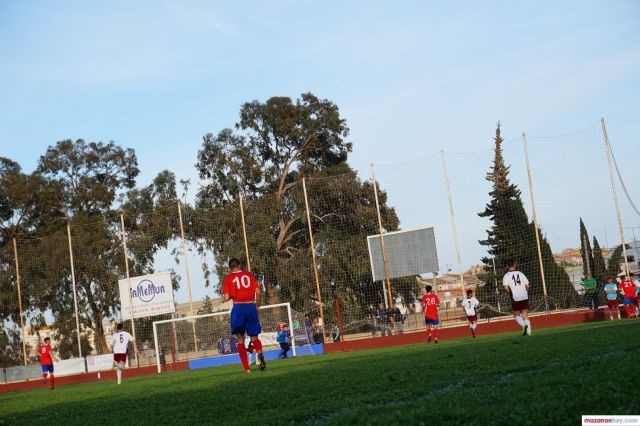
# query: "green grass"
{"points": [[552, 377]]}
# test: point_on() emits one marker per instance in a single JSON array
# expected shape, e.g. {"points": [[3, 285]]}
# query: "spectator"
{"points": [[590, 291], [384, 320], [335, 333], [318, 336], [308, 325], [398, 319], [611, 289]]}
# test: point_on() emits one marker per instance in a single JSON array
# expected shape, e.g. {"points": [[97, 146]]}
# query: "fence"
{"points": [[307, 246]]}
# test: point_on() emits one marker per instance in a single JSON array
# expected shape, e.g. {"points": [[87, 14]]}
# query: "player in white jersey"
{"points": [[516, 285], [469, 304], [119, 344]]}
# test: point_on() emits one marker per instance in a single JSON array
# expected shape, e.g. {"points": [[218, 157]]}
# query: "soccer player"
{"points": [[46, 362], [469, 304], [611, 289], [430, 302], [242, 287], [516, 285], [119, 344], [636, 282], [629, 292], [284, 339]]}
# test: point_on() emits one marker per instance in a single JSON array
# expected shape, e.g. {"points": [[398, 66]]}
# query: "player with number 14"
{"points": [[516, 285]]}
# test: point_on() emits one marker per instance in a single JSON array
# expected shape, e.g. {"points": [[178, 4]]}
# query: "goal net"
{"points": [[208, 338]]}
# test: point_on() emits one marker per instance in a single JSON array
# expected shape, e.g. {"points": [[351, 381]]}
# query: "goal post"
{"points": [[212, 337]]}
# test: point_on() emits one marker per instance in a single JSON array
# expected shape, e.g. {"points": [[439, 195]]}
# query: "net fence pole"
{"points": [[155, 339], [244, 232], [535, 222], [126, 267], [313, 257], [187, 275], [453, 219], [75, 293], [495, 280], [24, 343], [384, 249], [607, 147]]}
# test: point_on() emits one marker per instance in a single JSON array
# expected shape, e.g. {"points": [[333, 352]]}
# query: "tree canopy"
{"points": [[264, 157]]}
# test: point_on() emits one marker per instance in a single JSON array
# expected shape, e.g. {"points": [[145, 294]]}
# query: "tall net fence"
{"points": [[307, 245]]}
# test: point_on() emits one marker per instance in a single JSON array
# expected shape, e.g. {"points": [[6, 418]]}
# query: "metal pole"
{"points": [[73, 282], [384, 249], [244, 233], [607, 147], [155, 339], [495, 280], [188, 275], [313, 257], [126, 267], [293, 337], [453, 219], [535, 222], [24, 344]]}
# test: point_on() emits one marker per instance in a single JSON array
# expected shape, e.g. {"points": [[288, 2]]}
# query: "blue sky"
{"points": [[409, 77]]}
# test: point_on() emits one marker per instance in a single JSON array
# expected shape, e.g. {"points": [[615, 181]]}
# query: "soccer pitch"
{"points": [[551, 377]]}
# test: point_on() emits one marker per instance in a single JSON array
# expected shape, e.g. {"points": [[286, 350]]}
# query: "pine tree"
{"points": [[512, 236]]}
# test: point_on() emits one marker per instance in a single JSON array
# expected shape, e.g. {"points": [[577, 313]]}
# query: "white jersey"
{"points": [[517, 282], [119, 342], [469, 305]]}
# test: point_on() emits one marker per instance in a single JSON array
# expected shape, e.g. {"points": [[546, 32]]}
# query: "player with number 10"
{"points": [[242, 287]]}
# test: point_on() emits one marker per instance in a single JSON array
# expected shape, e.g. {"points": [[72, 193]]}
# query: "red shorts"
{"points": [[120, 357], [520, 305], [613, 303], [472, 318]]}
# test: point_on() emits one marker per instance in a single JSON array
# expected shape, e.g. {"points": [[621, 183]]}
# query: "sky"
{"points": [[410, 77]]}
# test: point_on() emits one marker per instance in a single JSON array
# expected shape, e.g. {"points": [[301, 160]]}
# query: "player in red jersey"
{"points": [[242, 287], [629, 292], [46, 362], [430, 302]]}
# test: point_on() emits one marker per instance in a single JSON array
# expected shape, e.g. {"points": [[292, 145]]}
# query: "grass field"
{"points": [[551, 377]]}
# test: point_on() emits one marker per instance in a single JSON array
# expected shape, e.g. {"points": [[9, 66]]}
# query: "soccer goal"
{"points": [[208, 335]]}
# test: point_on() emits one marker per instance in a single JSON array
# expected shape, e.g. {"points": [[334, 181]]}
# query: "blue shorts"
{"points": [[431, 321], [629, 300], [48, 368], [244, 319]]}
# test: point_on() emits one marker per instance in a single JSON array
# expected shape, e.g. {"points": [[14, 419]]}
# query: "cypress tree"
{"points": [[585, 251], [512, 236]]}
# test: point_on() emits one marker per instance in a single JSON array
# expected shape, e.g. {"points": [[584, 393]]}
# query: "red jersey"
{"points": [[240, 286], [628, 289], [430, 302], [45, 355]]}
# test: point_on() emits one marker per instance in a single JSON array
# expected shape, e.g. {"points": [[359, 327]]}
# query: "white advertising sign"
{"points": [[100, 363], [150, 295], [69, 366]]}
